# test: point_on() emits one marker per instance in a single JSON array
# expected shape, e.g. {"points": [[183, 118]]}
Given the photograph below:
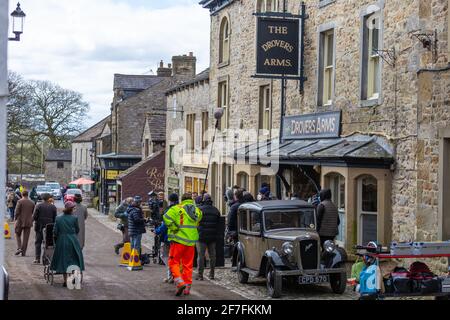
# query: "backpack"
{"points": [[420, 271], [370, 280]]}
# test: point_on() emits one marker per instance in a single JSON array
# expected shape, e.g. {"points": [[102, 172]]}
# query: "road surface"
{"points": [[103, 279]]}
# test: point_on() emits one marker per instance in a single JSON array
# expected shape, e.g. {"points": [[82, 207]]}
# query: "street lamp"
{"points": [[18, 17], [218, 116]]}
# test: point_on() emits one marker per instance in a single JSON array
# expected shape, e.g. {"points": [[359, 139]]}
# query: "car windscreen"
{"points": [[43, 189], [292, 219], [53, 185], [74, 191]]}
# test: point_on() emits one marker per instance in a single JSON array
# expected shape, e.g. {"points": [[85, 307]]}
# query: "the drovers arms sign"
{"points": [[278, 46], [313, 126]]}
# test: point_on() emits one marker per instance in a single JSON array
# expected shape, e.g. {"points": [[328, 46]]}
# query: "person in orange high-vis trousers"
{"points": [[182, 222]]}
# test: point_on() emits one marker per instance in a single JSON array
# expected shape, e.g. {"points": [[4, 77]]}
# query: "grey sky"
{"points": [[81, 44]]}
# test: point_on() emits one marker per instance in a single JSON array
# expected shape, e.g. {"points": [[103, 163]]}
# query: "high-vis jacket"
{"points": [[182, 221]]}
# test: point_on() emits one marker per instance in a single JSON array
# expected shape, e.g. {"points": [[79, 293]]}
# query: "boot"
{"points": [[212, 274], [199, 276], [187, 291], [180, 289]]}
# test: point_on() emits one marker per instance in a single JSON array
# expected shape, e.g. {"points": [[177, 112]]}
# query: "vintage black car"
{"points": [[279, 240]]}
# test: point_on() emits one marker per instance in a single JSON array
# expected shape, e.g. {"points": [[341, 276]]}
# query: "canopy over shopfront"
{"points": [[354, 151]]}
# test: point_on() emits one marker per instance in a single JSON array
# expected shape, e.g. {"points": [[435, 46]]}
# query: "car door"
{"points": [[252, 240]]}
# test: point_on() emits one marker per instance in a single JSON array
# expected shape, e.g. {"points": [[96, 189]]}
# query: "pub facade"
{"points": [[368, 117]]}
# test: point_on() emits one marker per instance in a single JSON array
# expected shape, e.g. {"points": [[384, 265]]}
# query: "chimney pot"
{"points": [[161, 64], [170, 66], [191, 54]]}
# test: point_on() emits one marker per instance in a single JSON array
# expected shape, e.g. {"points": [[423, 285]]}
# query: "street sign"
{"points": [[277, 50], [312, 126]]}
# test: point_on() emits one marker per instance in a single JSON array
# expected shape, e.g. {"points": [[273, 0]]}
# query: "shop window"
{"points": [[224, 45], [367, 209], [337, 187], [265, 108], [242, 180], [188, 185], [371, 69], [326, 67], [223, 103], [60, 165]]}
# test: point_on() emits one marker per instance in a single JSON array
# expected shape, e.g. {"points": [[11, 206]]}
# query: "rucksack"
{"points": [[420, 271]]}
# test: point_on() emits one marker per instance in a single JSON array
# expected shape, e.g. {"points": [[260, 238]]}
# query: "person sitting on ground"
{"points": [[68, 252]]}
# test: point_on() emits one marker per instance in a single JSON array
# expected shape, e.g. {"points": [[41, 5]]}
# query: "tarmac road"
{"points": [[103, 279]]}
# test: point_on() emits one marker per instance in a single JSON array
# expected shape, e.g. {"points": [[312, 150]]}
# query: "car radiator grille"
{"points": [[308, 254]]}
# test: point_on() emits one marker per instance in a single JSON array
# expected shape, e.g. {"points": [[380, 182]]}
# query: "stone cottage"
{"points": [[58, 166]]}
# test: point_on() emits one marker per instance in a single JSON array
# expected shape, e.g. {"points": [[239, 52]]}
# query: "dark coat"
{"points": [[67, 248], [208, 228], [232, 216], [24, 213], [136, 221], [44, 213], [327, 219]]}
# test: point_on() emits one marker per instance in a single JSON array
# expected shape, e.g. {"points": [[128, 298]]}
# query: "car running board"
{"points": [[251, 272]]}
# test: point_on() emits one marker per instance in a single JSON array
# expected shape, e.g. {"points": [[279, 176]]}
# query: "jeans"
{"points": [[201, 251], [136, 242], [11, 213], [164, 253]]}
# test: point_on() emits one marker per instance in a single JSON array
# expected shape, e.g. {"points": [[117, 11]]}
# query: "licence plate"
{"points": [[314, 279]]}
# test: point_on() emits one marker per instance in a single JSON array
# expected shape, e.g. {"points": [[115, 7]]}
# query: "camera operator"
{"points": [[121, 213], [156, 204]]}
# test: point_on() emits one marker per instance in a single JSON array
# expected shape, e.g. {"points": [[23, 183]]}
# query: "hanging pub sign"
{"points": [[312, 126], [278, 46]]}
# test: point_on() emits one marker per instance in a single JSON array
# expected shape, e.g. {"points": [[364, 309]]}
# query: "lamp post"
{"points": [[17, 22], [218, 116], [18, 16]]}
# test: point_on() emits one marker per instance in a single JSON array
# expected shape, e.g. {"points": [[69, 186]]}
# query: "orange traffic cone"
{"points": [[125, 255], [135, 261], [7, 231]]}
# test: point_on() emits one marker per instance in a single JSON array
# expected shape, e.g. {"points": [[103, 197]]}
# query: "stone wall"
{"points": [[194, 99], [81, 166], [62, 176], [397, 117]]}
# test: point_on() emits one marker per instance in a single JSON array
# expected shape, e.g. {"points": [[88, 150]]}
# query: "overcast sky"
{"points": [[80, 44]]}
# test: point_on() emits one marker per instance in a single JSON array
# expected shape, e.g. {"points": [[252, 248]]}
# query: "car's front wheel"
{"points": [[242, 275], [338, 281], [274, 283]]}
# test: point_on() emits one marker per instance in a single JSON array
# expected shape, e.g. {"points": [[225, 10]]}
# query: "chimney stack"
{"points": [[164, 72], [184, 67]]}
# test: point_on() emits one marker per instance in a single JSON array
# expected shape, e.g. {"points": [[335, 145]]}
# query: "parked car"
{"points": [[56, 190], [279, 240], [70, 194], [40, 190]]}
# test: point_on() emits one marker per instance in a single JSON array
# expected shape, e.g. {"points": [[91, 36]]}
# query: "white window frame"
{"points": [[326, 70], [265, 107], [224, 41], [267, 6], [334, 184], [362, 213], [223, 102]]}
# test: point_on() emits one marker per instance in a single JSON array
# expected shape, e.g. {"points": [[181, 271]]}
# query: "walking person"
{"points": [[67, 247], [162, 231], [327, 218], [44, 213], [208, 231], [182, 222], [24, 222], [121, 213], [11, 202], [136, 223], [81, 213]]}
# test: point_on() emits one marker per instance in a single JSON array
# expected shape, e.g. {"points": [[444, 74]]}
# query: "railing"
{"points": [[5, 276]]}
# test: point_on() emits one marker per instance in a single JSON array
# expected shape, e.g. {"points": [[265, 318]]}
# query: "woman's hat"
{"points": [[70, 205]]}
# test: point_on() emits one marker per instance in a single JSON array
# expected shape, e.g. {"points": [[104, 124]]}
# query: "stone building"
{"points": [[58, 166], [189, 118], [383, 66], [83, 150]]}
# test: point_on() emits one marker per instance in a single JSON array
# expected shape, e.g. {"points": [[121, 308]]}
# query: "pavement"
{"points": [[103, 279]]}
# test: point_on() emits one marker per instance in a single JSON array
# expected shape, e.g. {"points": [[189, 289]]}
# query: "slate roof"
{"points": [[202, 76], [139, 165], [359, 150], [93, 132], [59, 155], [135, 82], [157, 123]]}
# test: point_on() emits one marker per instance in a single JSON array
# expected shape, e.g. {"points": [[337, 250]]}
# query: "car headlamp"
{"points": [[288, 248], [329, 246]]}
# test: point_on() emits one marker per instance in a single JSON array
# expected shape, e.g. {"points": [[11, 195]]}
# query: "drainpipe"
{"points": [[3, 99]]}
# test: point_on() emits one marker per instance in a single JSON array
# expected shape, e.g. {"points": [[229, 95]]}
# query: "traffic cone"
{"points": [[7, 231], [125, 255], [135, 261]]}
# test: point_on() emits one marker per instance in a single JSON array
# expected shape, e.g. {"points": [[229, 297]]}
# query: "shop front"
{"points": [[313, 156], [111, 166], [194, 180]]}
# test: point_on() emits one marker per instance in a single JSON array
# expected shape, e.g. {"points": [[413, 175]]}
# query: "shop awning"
{"points": [[352, 151]]}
